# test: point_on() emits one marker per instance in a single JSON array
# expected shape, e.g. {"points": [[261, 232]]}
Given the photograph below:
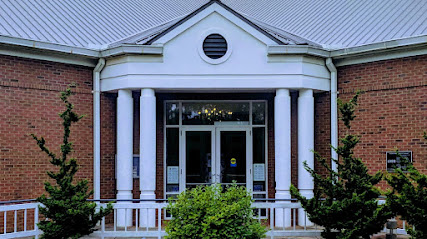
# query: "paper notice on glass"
{"points": [[172, 174], [259, 172]]}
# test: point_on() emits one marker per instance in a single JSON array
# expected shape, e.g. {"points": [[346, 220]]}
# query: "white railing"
{"points": [[26, 226], [137, 229], [284, 211], [20, 220], [266, 214]]}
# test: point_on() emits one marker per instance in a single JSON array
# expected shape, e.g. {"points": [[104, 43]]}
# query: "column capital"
{"points": [[124, 93], [305, 93], [282, 92], [147, 92]]}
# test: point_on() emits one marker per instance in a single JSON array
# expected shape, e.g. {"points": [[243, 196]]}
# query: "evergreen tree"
{"points": [[409, 198], [345, 202], [68, 213]]}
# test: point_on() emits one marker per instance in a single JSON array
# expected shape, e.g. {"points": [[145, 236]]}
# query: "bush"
{"points": [[69, 213], [210, 212], [409, 198], [345, 202]]}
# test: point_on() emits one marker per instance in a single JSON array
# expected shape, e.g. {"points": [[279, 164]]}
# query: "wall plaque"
{"points": [[398, 161]]}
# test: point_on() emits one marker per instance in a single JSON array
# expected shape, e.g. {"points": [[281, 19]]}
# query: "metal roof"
{"points": [[147, 37], [87, 23], [99, 23], [340, 23]]}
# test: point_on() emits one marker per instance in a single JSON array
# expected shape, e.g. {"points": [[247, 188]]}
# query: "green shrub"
{"points": [[409, 198], [210, 212], [345, 202], [70, 214]]}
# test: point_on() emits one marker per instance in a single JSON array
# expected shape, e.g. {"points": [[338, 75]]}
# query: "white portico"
{"points": [[215, 50]]}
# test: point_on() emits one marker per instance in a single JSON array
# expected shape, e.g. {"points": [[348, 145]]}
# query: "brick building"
{"points": [[183, 93]]}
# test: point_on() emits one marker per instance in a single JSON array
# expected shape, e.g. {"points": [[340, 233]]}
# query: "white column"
{"points": [[282, 134], [147, 178], [305, 145], [124, 154]]}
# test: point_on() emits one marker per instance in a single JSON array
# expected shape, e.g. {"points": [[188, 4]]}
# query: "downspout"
{"points": [[97, 129], [334, 111]]}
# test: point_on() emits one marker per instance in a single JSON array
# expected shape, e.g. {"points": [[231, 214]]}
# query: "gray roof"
{"points": [[97, 23], [341, 23], [87, 23], [146, 37]]}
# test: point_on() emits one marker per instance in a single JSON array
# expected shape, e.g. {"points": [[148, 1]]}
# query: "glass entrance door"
{"points": [[218, 155], [198, 158], [232, 151]]}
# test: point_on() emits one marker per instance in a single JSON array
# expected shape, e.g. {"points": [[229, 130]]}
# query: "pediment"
{"points": [[216, 8]]}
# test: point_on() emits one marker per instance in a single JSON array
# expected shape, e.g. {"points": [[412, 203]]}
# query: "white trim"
{"points": [[49, 46], [399, 48], [46, 56], [224, 34], [405, 47], [386, 45], [299, 49], [387, 55], [193, 82], [132, 49]]}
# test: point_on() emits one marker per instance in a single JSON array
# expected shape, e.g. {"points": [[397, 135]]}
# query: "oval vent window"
{"points": [[215, 46]]}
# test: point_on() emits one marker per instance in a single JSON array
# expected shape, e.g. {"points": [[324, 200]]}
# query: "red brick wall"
{"points": [[108, 145], [29, 103], [392, 113], [294, 139], [322, 128]]}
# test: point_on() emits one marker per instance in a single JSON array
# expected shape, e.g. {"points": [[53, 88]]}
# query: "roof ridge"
{"points": [[284, 33], [184, 19], [137, 35]]}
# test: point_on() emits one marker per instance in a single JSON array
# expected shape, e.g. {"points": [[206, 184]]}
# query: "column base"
{"points": [[303, 220], [124, 216], [147, 217], [283, 216]]}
